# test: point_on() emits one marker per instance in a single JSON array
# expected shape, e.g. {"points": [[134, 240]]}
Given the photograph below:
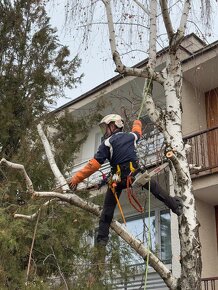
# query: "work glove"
{"points": [[137, 127], [92, 166], [72, 185]]}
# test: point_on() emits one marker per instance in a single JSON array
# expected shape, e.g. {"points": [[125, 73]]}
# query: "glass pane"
{"points": [[165, 231], [139, 228]]}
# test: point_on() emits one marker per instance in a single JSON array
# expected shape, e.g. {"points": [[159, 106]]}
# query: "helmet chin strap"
{"points": [[112, 131]]}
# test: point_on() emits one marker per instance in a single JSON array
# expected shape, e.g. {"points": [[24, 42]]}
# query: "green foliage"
{"points": [[60, 242], [35, 69]]}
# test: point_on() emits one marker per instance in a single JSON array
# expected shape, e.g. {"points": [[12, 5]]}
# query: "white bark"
{"points": [[117, 227], [136, 244], [188, 224], [120, 67], [166, 18], [153, 36], [183, 21], [21, 168], [58, 175], [171, 124], [35, 215]]}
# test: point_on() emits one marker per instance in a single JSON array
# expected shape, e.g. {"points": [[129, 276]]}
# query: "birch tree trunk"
{"points": [[169, 121]]}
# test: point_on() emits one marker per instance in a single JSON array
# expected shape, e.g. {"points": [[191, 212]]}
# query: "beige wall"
{"points": [[206, 216], [194, 114]]}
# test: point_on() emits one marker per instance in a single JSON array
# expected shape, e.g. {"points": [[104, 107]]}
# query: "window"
{"points": [[160, 233]]}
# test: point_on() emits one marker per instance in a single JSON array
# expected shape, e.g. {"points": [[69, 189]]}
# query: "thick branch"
{"points": [[58, 175], [166, 18], [20, 167], [178, 37], [120, 67], [154, 112], [183, 21], [181, 176], [153, 35], [137, 245]]}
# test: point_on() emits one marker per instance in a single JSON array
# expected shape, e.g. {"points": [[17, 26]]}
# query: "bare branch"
{"points": [[153, 111], [142, 6], [183, 22], [137, 245], [153, 36], [195, 167], [59, 269], [31, 249], [111, 29], [58, 175], [33, 216], [181, 176], [20, 167], [184, 18], [166, 18], [120, 67]]}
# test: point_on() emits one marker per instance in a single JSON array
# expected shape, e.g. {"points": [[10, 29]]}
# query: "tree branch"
{"points": [[181, 176], [20, 167], [120, 67], [33, 216], [178, 37], [153, 36], [58, 175], [184, 19], [166, 18], [142, 6], [31, 250], [153, 111], [137, 245], [90, 207]]}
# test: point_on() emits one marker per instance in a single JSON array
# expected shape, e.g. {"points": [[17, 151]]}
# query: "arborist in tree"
{"points": [[120, 149]]}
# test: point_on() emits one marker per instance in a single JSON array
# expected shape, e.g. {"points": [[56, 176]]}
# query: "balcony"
{"points": [[209, 283], [203, 151]]}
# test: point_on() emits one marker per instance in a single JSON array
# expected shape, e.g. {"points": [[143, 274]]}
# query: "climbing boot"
{"points": [[174, 203], [178, 207]]}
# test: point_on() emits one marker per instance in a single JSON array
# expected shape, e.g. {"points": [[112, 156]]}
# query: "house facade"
{"points": [[123, 95]]}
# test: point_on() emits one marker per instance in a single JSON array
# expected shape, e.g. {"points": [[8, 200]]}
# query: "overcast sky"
{"points": [[96, 59]]}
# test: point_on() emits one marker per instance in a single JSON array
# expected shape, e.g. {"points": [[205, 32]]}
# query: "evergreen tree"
{"points": [[34, 70]]}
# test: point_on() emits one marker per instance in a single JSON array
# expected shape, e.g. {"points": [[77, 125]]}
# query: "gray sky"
{"points": [[96, 59]]}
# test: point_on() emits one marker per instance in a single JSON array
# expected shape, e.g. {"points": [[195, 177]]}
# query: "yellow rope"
{"points": [[118, 203]]}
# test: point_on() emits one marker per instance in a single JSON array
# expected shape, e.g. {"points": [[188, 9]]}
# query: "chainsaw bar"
{"points": [[142, 178]]}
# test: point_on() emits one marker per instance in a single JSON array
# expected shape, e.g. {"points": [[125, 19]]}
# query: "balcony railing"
{"points": [[209, 283], [204, 150]]}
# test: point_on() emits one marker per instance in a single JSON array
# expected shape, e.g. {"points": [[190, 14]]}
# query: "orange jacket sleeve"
{"points": [[137, 127], [92, 166]]}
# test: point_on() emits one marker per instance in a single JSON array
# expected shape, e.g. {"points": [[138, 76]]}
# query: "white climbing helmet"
{"points": [[117, 119]]}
